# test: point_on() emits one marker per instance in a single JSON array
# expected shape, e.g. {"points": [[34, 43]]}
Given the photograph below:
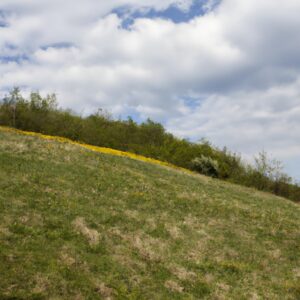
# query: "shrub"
{"points": [[206, 165]]}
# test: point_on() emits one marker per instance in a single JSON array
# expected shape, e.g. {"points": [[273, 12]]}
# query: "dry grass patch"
{"points": [[146, 248], [32, 219], [191, 222], [209, 278], [188, 195], [115, 231], [174, 231], [223, 286], [297, 272], [198, 251], [151, 223], [14, 146], [183, 274], [254, 296], [173, 286], [5, 222], [132, 214], [42, 284], [222, 291], [91, 235], [149, 248], [275, 254], [66, 258], [104, 291], [4, 231]]}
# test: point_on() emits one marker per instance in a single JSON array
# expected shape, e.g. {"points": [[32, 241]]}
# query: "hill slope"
{"points": [[75, 224]]}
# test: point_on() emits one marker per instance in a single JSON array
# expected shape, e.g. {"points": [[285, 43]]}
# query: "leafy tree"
{"points": [[9, 109]]}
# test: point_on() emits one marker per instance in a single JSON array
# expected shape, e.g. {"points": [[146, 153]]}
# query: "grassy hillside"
{"points": [[75, 224]]}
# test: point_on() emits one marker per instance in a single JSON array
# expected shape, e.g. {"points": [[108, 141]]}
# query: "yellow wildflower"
{"points": [[95, 148]]}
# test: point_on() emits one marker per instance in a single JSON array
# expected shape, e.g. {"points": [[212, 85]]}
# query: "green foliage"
{"points": [[42, 114], [206, 165]]}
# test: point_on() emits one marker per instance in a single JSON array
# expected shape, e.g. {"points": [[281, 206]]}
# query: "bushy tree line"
{"points": [[42, 114]]}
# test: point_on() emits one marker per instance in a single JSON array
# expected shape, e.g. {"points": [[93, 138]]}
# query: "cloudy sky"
{"points": [[226, 70]]}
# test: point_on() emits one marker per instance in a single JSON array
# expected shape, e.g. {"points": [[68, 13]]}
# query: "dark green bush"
{"points": [[206, 165]]}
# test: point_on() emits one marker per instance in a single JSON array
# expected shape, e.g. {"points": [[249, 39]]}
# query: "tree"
{"points": [[10, 103], [270, 168]]}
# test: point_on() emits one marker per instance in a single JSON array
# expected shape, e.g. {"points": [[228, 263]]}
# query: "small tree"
{"points": [[10, 103], [270, 168]]}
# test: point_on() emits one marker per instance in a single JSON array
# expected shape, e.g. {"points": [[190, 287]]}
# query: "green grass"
{"points": [[75, 224]]}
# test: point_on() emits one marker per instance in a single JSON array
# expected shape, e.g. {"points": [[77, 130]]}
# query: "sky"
{"points": [[224, 70]]}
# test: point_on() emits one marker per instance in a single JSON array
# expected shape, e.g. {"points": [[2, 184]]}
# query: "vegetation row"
{"points": [[150, 139]]}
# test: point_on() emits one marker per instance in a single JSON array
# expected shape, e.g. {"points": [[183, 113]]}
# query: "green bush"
{"points": [[206, 165]]}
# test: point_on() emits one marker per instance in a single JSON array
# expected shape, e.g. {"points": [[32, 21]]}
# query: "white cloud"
{"points": [[238, 65]]}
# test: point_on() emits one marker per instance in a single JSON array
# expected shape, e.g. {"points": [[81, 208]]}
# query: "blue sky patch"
{"points": [[192, 102], [173, 13], [13, 58], [3, 22]]}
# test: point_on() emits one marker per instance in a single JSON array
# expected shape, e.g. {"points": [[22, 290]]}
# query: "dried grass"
{"points": [[91, 235]]}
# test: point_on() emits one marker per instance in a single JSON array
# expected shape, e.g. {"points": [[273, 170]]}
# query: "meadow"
{"points": [[79, 224]]}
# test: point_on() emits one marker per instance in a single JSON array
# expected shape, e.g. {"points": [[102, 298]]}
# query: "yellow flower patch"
{"points": [[96, 148]]}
